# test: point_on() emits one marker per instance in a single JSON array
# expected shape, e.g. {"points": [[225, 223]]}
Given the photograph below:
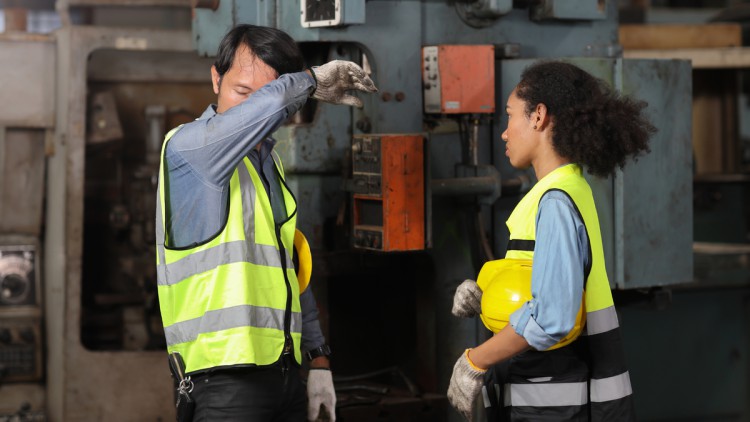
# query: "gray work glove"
{"points": [[467, 302], [466, 382], [337, 77], [320, 394]]}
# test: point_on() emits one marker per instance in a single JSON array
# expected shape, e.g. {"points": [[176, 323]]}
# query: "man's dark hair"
{"points": [[275, 47]]}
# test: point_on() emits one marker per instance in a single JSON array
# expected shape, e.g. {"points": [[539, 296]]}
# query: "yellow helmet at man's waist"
{"points": [[506, 285], [303, 260]]}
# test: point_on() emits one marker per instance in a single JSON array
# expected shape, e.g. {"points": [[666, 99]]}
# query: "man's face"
{"points": [[247, 75]]}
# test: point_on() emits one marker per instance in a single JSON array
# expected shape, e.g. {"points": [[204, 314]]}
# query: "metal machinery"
{"points": [[400, 201], [80, 140], [443, 69], [23, 133]]}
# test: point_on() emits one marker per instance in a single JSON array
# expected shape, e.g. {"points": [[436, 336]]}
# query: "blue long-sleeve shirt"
{"points": [[557, 276], [201, 157]]}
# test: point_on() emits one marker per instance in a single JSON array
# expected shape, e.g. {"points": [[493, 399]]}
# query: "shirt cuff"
{"points": [[312, 80], [520, 318], [525, 326]]}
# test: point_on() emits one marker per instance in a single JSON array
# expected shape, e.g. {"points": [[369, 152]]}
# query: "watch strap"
{"points": [[323, 350]]}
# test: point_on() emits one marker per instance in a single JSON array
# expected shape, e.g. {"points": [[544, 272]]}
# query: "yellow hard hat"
{"points": [[506, 285], [304, 260]]}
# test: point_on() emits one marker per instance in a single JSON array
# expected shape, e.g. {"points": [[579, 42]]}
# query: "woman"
{"points": [[560, 120]]}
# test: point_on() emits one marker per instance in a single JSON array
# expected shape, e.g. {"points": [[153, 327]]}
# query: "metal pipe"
{"points": [[362, 387], [482, 185], [474, 143], [489, 254], [155, 122], [61, 7], [516, 185]]}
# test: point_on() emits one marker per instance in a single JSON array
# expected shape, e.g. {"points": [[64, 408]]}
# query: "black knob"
{"points": [[27, 335], [5, 336]]}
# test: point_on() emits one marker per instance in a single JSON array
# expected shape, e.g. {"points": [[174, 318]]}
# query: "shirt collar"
{"points": [[210, 112]]}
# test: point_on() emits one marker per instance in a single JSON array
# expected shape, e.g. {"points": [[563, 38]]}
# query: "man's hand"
{"points": [[467, 302], [336, 77], [465, 384], [320, 392]]}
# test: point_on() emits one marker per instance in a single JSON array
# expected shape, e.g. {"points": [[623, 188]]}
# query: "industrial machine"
{"points": [[400, 200], [388, 178], [20, 307]]}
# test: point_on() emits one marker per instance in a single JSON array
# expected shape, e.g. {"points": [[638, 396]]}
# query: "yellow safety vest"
{"points": [[233, 300], [608, 391]]}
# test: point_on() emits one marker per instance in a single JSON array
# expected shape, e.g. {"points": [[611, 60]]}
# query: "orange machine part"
{"points": [[403, 192], [467, 78], [392, 217]]}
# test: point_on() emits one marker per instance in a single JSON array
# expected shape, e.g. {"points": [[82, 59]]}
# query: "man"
{"points": [[228, 293]]}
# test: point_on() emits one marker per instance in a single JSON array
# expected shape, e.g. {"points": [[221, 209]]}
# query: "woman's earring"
{"points": [[534, 127]]}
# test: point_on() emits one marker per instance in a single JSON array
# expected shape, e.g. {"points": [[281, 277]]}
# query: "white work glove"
{"points": [[320, 392], [466, 382], [337, 77], [467, 302]]}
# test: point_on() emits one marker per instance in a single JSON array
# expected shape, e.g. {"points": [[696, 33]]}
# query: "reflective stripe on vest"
{"points": [[601, 321], [546, 394], [601, 318], [225, 302], [611, 388], [231, 252]]}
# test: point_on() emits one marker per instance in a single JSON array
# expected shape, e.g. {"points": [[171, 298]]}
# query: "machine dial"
{"points": [[15, 285], [13, 288]]}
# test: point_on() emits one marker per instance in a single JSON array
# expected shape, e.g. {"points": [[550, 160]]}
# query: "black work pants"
{"points": [[272, 393]]}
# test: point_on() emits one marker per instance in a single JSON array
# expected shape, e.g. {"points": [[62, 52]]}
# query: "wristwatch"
{"points": [[323, 350]]}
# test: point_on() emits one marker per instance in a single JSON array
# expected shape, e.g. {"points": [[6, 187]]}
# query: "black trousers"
{"points": [[272, 393]]}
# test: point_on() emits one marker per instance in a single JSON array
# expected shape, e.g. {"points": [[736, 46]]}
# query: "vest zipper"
{"points": [[288, 342]]}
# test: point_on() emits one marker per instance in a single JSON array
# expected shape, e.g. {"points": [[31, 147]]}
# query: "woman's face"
{"points": [[521, 140]]}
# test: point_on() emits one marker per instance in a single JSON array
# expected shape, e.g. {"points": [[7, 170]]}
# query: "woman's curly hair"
{"points": [[593, 125]]}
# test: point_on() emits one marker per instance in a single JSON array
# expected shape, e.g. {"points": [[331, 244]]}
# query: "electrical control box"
{"points": [[20, 348], [20, 314], [388, 186], [458, 79], [330, 13], [18, 286]]}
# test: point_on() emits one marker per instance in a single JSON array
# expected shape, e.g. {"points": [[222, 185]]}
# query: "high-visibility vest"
{"points": [[233, 300], [607, 391]]}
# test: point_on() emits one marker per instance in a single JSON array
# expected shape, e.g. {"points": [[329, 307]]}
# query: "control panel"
{"points": [[20, 349], [17, 276], [331, 13], [458, 79], [431, 80], [388, 185], [21, 340]]}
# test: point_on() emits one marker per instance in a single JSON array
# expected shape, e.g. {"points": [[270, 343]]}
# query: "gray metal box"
{"points": [[27, 86]]}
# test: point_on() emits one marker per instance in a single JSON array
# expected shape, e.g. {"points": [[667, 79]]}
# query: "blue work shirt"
{"points": [[202, 155], [557, 276]]}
